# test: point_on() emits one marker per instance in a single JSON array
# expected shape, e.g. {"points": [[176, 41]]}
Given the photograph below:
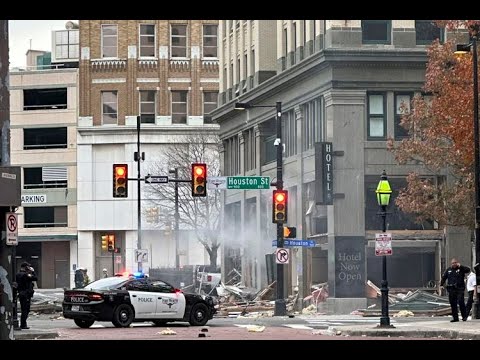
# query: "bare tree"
{"points": [[201, 214]]}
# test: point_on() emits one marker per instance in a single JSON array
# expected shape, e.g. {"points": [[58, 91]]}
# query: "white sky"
{"points": [[20, 33]]}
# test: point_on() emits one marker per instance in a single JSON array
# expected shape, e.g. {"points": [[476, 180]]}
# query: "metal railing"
{"points": [[45, 225]]}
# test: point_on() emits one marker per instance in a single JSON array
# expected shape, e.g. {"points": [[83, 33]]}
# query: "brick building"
{"points": [[165, 71]]}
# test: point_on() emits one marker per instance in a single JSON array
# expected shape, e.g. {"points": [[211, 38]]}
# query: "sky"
{"points": [[20, 33]]}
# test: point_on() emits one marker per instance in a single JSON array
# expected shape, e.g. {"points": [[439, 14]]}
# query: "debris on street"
{"points": [[255, 328], [167, 331], [404, 313]]}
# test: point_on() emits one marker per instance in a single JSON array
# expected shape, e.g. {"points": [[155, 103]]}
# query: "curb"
{"points": [[36, 335], [448, 334]]}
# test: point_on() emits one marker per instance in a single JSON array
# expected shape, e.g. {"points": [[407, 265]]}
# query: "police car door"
{"points": [[170, 304], [142, 299]]}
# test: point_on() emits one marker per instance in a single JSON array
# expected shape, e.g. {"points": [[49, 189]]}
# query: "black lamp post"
{"points": [[464, 48], [280, 305], [383, 198]]}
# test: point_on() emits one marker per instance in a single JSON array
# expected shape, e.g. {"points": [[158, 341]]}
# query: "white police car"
{"points": [[125, 299]]}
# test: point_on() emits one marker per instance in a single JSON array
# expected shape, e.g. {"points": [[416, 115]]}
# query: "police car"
{"points": [[125, 299]]}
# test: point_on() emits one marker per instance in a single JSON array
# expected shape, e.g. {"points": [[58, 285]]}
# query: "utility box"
{"points": [[10, 186]]}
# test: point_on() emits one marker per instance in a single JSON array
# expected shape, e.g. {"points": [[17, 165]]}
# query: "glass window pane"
{"points": [[110, 51], [179, 52], [210, 30], [147, 51], [109, 41], [147, 29], [73, 37], [179, 108], [179, 30], [405, 101], [109, 118], [148, 108], [147, 95], [109, 96], [375, 30], [109, 29], [73, 51], [376, 104], [376, 127]]}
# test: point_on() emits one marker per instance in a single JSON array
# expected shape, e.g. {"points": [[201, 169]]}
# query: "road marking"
{"points": [[298, 326]]}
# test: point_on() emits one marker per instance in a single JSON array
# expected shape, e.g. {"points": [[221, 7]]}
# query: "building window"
{"points": [[45, 138], [289, 129], [43, 99], [426, 32], [179, 41], [66, 44], [250, 149], [232, 156], [147, 106], [402, 107], [313, 122], [398, 220], [109, 41], [45, 216], [210, 100], [109, 108], [147, 40], [179, 107], [376, 123], [210, 41], [45, 177], [376, 31]]}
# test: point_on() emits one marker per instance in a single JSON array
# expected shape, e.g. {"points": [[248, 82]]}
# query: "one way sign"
{"points": [[282, 255]]}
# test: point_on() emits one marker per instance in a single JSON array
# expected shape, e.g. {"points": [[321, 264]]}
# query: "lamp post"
{"points": [[177, 218], [137, 156], [280, 305], [383, 198], [463, 48]]}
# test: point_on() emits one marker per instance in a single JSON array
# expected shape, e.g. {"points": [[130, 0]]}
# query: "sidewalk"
{"points": [[423, 329], [34, 334]]}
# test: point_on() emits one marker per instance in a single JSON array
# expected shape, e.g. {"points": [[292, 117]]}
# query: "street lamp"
{"points": [[280, 305], [383, 198], [462, 49], [177, 217]]}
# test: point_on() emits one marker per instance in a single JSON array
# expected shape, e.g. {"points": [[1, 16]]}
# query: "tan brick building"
{"points": [[166, 71]]}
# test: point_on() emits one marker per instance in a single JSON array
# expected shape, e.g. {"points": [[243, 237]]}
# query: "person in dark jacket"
{"points": [[79, 278], [455, 278], [25, 278]]}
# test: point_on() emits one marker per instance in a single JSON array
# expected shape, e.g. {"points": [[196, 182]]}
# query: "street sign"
{"points": [[12, 228], [248, 182], [291, 242], [141, 255], [152, 179], [217, 182], [282, 255], [383, 244]]}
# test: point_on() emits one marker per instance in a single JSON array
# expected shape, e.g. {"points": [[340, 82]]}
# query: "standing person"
{"points": [[471, 290], [79, 278], [455, 277], [25, 278], [86, 279], [105, 273]]}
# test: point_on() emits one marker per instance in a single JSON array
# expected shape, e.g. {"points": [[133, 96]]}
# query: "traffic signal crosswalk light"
{"points": [[279, 208], [289, 232], [120, 183], [199, 179], [111, 243], [104, 242]]}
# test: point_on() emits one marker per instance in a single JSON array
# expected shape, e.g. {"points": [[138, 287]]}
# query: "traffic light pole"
{"points": [[280, 305], [139, 206]]}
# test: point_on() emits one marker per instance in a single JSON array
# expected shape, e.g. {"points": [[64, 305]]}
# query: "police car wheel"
{"points": [[84, 324], [123, 316], [159, 322], [199, 315]]}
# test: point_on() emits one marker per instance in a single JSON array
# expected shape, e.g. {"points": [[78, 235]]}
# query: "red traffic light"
{"points": [[279, 207], [199, 179]]}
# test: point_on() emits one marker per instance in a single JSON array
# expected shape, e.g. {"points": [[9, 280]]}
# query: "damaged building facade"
{"points": [[341, 83]]}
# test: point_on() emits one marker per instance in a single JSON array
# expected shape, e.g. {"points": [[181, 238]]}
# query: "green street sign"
{"points": [[248, 182]]}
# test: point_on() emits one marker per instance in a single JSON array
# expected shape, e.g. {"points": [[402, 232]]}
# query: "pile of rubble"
{"points": [[46, 304]]}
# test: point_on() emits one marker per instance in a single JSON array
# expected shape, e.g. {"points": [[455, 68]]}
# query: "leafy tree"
{"points": [[201, 214], [441, 137]]}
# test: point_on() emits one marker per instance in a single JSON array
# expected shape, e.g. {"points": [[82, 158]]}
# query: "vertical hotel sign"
{"points": [[323, 173]]}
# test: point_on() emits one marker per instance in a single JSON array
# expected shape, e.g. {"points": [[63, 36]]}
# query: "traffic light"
{"points": [[289, 232], [120, 183], [279, 208], [111, 243], [199, 179], [104, 242]]}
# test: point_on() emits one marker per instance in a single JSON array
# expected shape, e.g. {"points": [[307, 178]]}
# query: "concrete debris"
{"points": [[310, 309], [404, 313], [167, 331], [255, 328], [356, 312]]}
